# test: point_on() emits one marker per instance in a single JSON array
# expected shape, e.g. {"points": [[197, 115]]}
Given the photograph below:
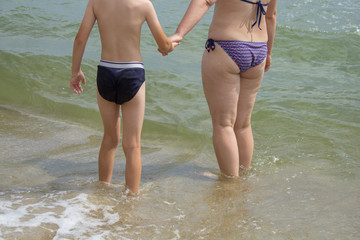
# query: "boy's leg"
{"points": [[110, 116], [133, 117], [250, 82]]}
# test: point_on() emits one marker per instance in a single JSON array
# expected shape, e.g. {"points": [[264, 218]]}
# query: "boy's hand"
{"points": [[175, 40], [75, 82], [172, 46]]}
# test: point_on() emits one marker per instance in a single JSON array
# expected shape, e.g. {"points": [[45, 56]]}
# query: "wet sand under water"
{"points": [[49, 189]]}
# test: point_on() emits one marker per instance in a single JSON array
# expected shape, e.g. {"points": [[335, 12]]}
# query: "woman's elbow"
{"points": [[271, 15], [209, 3]]}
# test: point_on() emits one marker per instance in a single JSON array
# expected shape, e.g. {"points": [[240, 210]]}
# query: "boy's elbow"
{"points": [[79, 40]]}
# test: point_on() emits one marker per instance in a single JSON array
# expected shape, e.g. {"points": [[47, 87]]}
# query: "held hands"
{"points": [[167, 51], [175, 41], [176, 38], [75, 82]]}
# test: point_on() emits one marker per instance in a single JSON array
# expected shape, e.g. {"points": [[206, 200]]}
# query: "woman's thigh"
{"points": [[221, 83], [250, 82]]}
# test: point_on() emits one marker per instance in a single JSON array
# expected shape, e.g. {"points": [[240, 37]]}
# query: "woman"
{"points": [[237, 53]]}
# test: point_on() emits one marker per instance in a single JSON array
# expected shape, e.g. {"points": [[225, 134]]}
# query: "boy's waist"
{"points": [[112, 64]]}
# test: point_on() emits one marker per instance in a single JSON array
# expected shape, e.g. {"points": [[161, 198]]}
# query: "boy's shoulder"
{"points": [[137, 5], [143, 3], [126, 2]]}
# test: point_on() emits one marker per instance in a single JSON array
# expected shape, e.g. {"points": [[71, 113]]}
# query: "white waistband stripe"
{"points": [[121, 64]]}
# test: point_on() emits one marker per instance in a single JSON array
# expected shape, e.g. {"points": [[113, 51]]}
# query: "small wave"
{"points": [[65, 214]]}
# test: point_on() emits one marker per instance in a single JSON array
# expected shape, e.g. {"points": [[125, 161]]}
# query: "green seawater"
{"points": [[305, 176]]}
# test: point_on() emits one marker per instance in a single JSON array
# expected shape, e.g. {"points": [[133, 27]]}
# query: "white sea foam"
{"points": [[73, 217]]}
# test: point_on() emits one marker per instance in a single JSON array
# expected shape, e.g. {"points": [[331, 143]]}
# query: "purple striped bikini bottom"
{"points": [[244, 54]]}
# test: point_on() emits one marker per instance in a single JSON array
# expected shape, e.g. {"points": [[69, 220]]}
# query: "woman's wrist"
{"points": [[179, 36]]}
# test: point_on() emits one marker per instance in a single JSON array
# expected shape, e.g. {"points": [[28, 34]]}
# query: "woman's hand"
{"points": [[268, 62]]}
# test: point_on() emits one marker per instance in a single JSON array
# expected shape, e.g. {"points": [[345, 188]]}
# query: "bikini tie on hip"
{"points": [[210, 44]]}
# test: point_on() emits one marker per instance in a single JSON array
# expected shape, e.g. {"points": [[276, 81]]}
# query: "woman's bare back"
{"points": [[233, 20]]}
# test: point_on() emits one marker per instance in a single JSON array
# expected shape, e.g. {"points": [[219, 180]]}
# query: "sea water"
{"points": [[305, 175]]}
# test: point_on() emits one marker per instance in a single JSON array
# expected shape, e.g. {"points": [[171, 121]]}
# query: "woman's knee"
{"points": [[220, 124], [223, 119], [242, 126]]}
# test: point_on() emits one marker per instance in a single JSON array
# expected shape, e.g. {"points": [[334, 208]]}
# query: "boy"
{"points": [[120, 77]]}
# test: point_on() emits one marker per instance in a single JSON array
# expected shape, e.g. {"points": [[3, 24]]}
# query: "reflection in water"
{"points": [[229, 216]]}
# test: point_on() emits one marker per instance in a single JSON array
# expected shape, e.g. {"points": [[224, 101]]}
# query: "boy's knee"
{"points": [[131, 143], [112, 140]]}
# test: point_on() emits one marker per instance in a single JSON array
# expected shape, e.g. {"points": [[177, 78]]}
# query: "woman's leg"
{"points": [[221, 83], [133, 117], [109, 112], [250, 82]]}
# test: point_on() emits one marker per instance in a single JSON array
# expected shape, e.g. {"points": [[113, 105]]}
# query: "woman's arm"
{"points": [[193, 15], [270, 18], [79, 48]]}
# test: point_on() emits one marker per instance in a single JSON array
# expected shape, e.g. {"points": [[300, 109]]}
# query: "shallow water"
{"points": [[306, 168]]}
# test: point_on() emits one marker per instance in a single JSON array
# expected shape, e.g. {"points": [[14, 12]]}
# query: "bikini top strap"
{"points": [[259, 12]]}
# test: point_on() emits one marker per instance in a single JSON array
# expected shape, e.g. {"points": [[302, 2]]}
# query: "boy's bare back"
{"points": [[120, 23]]}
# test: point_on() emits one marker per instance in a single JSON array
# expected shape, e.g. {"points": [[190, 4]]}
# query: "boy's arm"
{"points": [[161, 39], [270, 18], [193, 15], [79, 47]]}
